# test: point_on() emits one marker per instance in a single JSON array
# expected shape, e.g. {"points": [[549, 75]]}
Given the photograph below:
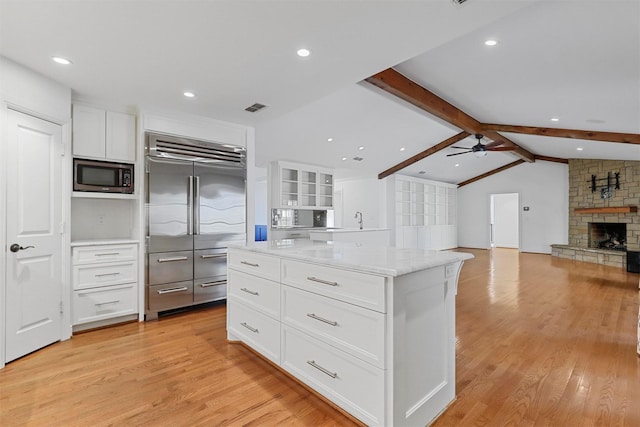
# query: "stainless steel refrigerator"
{"points": [[196, 205]]}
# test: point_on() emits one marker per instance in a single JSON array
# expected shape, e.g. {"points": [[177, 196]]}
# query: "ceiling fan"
{"points": [[480, 149]]}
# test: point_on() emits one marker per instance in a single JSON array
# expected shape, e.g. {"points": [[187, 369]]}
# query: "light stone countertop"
{"points": [[386, 261], [349, 230]]}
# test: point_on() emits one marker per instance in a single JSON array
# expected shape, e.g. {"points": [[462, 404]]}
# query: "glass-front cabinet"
{"points": [[301, 186]]}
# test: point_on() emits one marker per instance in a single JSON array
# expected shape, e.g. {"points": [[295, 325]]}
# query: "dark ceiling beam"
{"points": [[396, 84], [624, 138], [492, 172], [444, 144], [552, 159]]}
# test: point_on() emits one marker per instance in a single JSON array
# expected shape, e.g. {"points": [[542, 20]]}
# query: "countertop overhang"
{"points": [[383, 260]]}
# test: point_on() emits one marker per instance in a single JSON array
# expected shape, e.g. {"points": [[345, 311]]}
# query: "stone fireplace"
{"points": [[608, 219]]}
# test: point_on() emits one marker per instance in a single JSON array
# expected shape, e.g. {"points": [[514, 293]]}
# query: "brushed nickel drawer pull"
{"points": [[249, 264], [254, 330], [324, 282], [321, 369], [219, 282], [107, 274], [249, 291], [178, 258], [108, 253], [213, 256], [329, 322], [172, 290], [105, 303]]}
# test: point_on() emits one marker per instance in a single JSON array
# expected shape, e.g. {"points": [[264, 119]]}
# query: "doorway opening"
{"points": [[504, 221]]}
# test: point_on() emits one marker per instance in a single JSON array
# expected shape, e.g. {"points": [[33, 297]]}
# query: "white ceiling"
{"points": [[576, 60]]}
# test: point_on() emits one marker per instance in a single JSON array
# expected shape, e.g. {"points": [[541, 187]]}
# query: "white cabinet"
{"points": [[297, 186], [425, 213], [102, 134], [381, 347], [105, 282]]}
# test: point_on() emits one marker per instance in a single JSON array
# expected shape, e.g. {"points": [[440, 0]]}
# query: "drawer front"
{"points": [[253, 263], [259, 293], [258, 331], [350, 383], [364, 290], [210, 263], [337, 323], [96, 275], [104, 303], [167, 267], [170, 295], [104, 253], [210, 289]]}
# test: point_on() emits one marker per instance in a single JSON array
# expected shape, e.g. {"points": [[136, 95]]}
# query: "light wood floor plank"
{"points": [[541, 341]]}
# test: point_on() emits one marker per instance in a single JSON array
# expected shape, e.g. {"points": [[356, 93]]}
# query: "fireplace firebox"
{"points": [[605, 235]]}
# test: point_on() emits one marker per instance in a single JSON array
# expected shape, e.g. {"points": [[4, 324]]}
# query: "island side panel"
{"points": [[423, 344]]}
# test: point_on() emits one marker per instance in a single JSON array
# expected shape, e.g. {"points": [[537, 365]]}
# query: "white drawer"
{"points": [[350, 383], [356, 330], [260, 332], [364, 290], [253, 263], [104, 253], [95, 275], [104, 303], [259, 293]]}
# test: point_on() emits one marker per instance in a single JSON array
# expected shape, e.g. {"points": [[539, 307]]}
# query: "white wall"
{"points": [[542, 186], [261, 197], [366, 195]]}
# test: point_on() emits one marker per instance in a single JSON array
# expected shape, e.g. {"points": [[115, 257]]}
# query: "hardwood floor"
{"points": [[540, 341]]}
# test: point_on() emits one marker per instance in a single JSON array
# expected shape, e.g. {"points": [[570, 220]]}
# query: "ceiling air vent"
{"points": [[255, 107], [358, 159], [458, 2]]}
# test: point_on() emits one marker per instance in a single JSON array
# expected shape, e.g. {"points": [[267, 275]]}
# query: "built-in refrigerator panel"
{"points": [[169, 205]]}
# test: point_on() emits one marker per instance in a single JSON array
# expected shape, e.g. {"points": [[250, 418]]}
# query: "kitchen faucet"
{"points": [[359, 218]]}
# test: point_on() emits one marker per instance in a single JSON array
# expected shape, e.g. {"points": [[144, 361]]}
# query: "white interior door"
{"points": [[505, 221], [34, 239]]}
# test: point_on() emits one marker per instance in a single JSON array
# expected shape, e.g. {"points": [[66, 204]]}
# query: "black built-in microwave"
{"points": [[102, 177]]}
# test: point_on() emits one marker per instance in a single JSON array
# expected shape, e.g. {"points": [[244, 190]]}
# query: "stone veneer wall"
{"points": [[580, 196]]}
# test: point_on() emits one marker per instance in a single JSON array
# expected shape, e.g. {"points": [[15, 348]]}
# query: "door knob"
{"points": [[16, 247]]}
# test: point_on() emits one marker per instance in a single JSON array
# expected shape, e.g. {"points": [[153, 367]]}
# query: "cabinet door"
{"points": [[289, 187], [308, 188], [325, 190], [120, 136], [89, 131]]}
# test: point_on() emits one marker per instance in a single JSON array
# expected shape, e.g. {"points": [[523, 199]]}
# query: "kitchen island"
{"points": [[372, 329]]}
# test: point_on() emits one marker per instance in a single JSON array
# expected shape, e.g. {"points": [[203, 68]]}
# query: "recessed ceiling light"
{"points": [[329, 139], [491, 42], [555, 119], [344, 158], [303, 53], [189, 94], [402, 149], [457, 164], [61, 60], [361, 148], [579, 149]]}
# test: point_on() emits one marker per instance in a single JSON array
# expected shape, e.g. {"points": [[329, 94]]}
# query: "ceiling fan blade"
{"points": [[457, 154], [500, 148], [460, 148]]}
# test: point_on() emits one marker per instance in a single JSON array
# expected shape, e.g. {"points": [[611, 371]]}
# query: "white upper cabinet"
{"points": [[297, 186], [102, 134]]}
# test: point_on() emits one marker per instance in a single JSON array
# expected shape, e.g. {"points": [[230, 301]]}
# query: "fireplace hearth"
{"points": [[609, 236]]}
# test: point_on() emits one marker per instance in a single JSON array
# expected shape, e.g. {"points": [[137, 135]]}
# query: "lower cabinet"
{"points": [[382, 348], [105, 282]]}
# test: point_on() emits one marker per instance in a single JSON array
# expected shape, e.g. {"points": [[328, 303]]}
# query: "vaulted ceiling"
{"points": [[576, 61]]}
